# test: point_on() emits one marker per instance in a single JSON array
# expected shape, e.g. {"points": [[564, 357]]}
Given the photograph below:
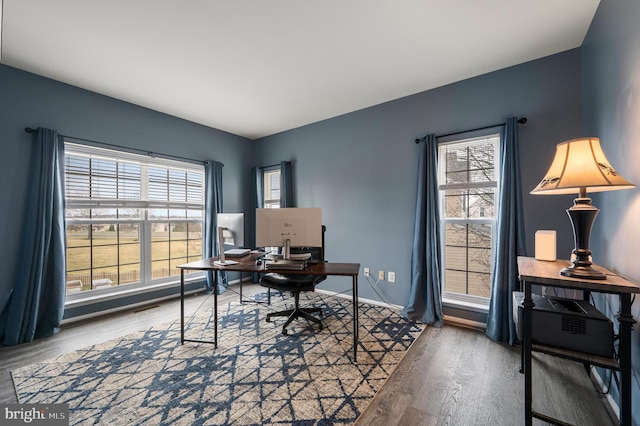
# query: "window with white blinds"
{"points": [[130, 218], [271, 190], [467, 174]]}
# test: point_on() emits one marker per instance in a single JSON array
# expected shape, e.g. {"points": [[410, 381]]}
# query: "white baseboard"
{"points": [[369, 301], [93, 299], [124, 307], [461, 322], [448, 319]]}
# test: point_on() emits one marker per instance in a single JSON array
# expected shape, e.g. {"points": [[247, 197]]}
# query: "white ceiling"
{"points": [[259, 67]]}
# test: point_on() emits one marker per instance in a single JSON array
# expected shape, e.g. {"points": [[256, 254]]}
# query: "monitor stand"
{"points": [[222, 261], [286, 251]]}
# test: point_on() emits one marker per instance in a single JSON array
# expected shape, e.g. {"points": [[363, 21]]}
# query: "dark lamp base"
{"points": [[582, 271], [582, 214]]}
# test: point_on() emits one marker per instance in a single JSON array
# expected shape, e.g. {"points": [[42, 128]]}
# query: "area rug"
{"points": [[256, 375]]}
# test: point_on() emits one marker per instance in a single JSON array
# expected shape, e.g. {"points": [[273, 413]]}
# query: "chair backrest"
{"points": [[317, 253]]}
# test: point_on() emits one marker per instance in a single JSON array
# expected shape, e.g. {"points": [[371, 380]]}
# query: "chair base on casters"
{"points": [[296, 312]]}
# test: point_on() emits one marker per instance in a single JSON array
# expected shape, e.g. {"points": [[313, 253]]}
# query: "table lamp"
{"points": [[580, 166]]}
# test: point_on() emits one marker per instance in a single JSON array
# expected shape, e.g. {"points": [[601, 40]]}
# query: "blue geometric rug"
{"points": [[256, 376]]}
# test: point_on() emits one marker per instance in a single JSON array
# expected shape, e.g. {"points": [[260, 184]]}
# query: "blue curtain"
{"points": [[258, 195], [425, 302], [510, 241], [36, 305], [213, 206], [286, 185], [257, 203]]}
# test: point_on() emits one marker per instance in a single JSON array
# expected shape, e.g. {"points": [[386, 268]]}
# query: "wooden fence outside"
{"points": [[116, 279]]}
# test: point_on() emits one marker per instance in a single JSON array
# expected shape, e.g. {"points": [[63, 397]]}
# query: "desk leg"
{"points": [[215, 309], [182, 306], [626, 321], [526, 347], [354, 284]]}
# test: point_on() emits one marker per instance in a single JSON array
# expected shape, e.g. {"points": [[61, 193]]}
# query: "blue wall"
{"points": [[361, 167], [28, 100], [611, 111]]}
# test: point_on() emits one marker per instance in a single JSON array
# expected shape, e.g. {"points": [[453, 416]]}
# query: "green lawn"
{"points": [[107, 249]]}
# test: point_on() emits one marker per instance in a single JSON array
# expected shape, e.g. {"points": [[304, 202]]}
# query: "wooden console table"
{"points": [[537, 272]]}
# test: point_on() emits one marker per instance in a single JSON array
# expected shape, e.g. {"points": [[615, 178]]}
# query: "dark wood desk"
{"points": [[537, 272], [248, 264]]}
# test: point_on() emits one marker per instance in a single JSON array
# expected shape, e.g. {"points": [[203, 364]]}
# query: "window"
{"points": [[468, 190], [130, 218], [271, 190]]}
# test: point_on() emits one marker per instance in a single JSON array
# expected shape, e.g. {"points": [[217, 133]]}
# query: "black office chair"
{"points": [[297, 284]]}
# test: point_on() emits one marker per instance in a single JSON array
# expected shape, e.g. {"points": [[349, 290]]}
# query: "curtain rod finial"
{"points": [[522, 120], [417, 141], [28, 130]]}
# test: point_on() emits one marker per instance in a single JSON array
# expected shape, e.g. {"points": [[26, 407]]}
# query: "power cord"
{"points": [[612, 373], [373, 287]]}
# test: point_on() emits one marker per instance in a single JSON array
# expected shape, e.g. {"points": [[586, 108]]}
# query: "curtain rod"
{"points": [[269, 166], [135, 150], [520, 120], [272, 165]]}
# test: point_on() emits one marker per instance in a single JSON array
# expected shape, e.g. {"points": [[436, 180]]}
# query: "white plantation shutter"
{"points": [[102, 178], [131, 218]]}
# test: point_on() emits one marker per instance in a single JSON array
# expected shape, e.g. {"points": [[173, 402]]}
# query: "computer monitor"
{"points": [[230, 234], [301, 227], [232, 225]]}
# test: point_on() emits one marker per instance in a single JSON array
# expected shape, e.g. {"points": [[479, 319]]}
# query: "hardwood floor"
{"points": [[77, 335], [450, 376], [458, 376]]}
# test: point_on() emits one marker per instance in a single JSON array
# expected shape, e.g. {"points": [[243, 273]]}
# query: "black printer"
{"points": [[566, 323]]}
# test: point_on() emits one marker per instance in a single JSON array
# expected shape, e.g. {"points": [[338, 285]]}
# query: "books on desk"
{"points": [[294, 265], [292, 256], [239, 252], [300, 256]]}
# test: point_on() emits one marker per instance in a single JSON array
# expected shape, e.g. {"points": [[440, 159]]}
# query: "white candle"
{"points": [[546, 245]]}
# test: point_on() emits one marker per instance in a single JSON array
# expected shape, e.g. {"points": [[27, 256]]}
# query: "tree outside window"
{"points": [[468, 186]]}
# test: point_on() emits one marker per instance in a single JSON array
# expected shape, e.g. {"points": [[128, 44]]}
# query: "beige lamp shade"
{"points": [[580, 166]]}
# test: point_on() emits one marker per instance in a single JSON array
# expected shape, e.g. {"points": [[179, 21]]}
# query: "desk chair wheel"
{"points": [[286, 333], [295, 313]]}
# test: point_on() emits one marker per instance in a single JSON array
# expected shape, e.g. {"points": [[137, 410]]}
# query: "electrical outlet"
{"points": [[391, 277], [366, 272], [381, 275]]}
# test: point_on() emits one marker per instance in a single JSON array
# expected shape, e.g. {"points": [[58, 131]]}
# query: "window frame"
{"points": [[192, 206], [268, 187], [481, 303]]}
